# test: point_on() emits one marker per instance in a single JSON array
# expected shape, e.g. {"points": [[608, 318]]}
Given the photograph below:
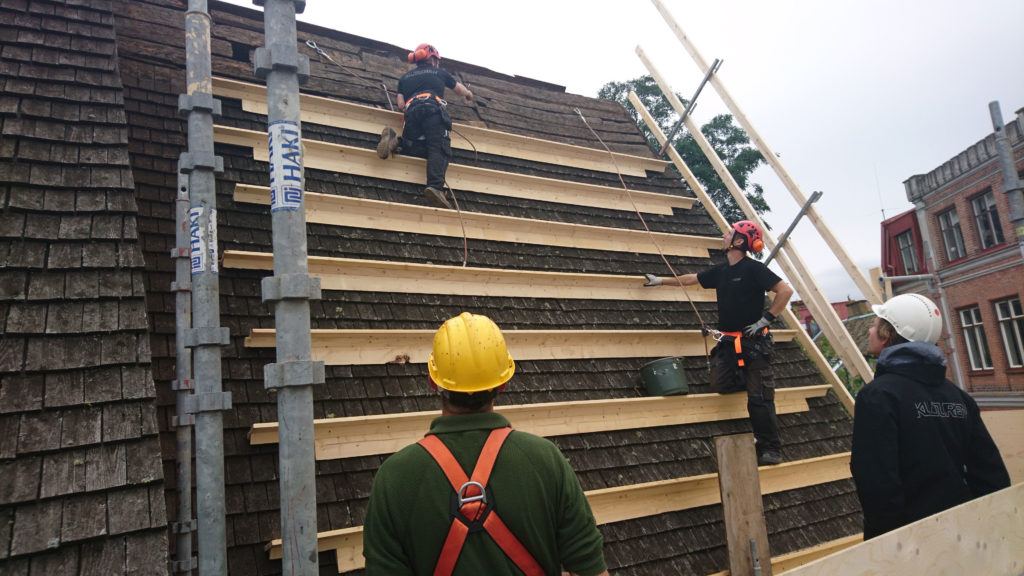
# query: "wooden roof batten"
{"points": [[367, 119], [364, 162], [634, 501], [381, 276], [350, 437], [360, 346], [353, 212]]}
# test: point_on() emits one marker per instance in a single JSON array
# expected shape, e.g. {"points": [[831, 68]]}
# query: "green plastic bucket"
{"points": [[664, 377]]}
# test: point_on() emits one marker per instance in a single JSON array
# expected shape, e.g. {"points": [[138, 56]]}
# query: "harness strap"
{"points": [[737, 337], [475, 509], [424, 95]]}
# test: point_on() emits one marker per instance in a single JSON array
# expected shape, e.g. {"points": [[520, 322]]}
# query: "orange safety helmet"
{"points": [[422, 52], [752, 234]]}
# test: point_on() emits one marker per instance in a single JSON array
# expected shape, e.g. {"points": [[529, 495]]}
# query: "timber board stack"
{"points": [[150, 60]]}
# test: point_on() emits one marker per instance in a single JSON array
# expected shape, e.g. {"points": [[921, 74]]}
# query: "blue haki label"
{"points": [[197, 240], [285, 143]]}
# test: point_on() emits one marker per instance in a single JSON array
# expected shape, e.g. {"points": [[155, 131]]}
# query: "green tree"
{"points": [[728, 140]]}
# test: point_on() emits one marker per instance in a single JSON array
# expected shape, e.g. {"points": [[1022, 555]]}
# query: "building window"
{"points": [[1011, 326], [986, 216], [908, 255], [974, 334], [949, 223]]}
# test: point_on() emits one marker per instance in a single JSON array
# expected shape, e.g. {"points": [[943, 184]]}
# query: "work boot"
{"points": [[436, 197], [769, 458], [388, 143]]}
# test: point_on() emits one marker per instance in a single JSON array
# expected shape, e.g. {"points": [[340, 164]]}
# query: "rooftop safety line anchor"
{"points": [[785, 235], [689, 107]]}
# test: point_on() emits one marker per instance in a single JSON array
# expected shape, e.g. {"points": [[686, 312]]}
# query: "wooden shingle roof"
{"points": [[81, 478]]}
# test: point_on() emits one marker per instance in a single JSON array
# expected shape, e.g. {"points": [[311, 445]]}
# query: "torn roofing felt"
{"points": [[150, 62]]}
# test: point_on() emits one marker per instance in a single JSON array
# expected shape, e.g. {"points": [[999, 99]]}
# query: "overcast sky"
{"points": [[856, 96]]}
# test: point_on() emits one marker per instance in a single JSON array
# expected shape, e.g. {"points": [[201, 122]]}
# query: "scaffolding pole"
{"points": [[291, 288], [206, 337], [184, 562], [862, 282]]}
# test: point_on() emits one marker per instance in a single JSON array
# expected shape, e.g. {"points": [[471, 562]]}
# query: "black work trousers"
{"points": [[425, 135], [756, 377]]}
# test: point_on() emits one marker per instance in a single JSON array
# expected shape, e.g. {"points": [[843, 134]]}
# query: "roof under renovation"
{"points": [[91, 141]]}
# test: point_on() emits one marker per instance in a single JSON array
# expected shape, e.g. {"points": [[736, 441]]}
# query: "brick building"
{"points": [[958, 246]]}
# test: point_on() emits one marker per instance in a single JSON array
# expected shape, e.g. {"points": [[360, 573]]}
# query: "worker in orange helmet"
{"points": [[742, 359], [474, 497], [427, 122]]}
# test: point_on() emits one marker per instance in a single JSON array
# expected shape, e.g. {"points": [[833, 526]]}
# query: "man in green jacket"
{"points": [[473, 497]]}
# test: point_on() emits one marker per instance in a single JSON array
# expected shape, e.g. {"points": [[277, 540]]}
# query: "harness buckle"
{"points": [[472, 510]]}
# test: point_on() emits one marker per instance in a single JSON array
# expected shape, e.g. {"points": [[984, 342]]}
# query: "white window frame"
{"points": [[986, 217], [974, 338], [1011, 327], [905, 244], [952, 235]]}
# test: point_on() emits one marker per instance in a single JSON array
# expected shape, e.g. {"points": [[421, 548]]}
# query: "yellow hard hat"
{"points": [[470, 355]]}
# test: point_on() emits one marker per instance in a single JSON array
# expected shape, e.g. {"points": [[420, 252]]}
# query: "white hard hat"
{"points": [[914, 317]]}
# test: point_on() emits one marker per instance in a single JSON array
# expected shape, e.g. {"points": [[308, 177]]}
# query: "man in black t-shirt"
{"points": [[425, 134], [742, 359]]}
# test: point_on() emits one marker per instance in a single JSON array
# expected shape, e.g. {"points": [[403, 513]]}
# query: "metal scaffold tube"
{"points": [[290, 288], [184, 562], [206, 336]]}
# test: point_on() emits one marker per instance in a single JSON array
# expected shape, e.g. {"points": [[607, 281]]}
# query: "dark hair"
{"points": [[888, 332], [470, 402]]}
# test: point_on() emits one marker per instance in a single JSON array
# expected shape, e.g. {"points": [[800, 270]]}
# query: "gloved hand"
{"points": [[652, 280], [757, 327]]}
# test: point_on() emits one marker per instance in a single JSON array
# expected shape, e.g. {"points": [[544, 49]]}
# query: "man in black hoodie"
{"points": [[919, 444]]}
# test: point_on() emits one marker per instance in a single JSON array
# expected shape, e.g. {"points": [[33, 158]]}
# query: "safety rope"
{"points": [[323, 54], [705, 329]]}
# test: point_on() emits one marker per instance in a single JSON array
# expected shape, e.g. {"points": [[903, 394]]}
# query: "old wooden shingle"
{"points": [[21, 480], [103, 557], [63, 473], [26, 319], [36, 527], [39, 431], [105, 467], [85, 516], [128, 509], [81, 426], [121, 421]]}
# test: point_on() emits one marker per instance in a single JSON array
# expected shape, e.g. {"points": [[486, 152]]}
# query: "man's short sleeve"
{"points": [[449, 80], [710, 278], [765, 277]]}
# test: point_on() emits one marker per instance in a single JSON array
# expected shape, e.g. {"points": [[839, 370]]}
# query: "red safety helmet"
{"points": [[422, 52], [752, 234]]}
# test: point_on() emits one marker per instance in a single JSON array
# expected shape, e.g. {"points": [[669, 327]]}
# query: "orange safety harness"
{"points": [[427, 95], [472, 506]]}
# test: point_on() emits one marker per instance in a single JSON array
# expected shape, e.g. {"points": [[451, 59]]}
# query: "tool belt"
{"points": [[737, 340], [428, 95]]}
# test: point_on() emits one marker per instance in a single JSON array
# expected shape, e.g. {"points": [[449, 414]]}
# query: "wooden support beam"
{"points": [[636, 501], [1007, 429], [382, 276], [866, 287], [788, 258], [362, 213], [351, 116], [983, 536], [741, 504], [796, 559], [350, 347], [787, 315], [364, 162], [354, 436]]}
